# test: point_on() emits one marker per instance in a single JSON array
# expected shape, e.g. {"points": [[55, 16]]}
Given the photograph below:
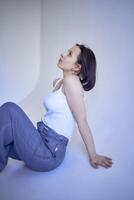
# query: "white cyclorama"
{"points": [[33, 34]]}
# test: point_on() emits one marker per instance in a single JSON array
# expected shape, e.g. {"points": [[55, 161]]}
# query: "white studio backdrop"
{"points": [[19, 48], [33, 34]]}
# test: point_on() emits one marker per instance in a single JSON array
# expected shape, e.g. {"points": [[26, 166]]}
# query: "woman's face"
{"points": [[68, 60]]}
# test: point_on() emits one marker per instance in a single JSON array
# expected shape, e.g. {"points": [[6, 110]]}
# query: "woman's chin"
{"points": [[58, 64]]}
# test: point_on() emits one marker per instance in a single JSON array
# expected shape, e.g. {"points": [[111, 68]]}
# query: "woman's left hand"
{"points": [[101, 160]]}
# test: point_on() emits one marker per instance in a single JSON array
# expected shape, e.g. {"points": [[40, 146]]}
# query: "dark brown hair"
{"points": [[87, 60]]}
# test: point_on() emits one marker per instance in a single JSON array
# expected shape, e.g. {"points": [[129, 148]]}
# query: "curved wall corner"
{"points": [[19, 49]]}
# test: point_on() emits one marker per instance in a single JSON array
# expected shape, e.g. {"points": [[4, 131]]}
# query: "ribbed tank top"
{"points": [[58, 116]]}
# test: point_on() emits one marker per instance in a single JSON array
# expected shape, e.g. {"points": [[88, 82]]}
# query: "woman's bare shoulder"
{"points": [[74, 80]]}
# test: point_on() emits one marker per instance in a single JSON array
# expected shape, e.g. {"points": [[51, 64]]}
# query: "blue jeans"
{"points": [[41, 148]]}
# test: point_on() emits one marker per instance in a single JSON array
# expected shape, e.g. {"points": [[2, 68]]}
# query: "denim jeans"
{"points": [[41, 148]]}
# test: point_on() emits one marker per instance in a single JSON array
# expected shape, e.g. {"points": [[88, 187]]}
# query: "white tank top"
{"points": [[58, 116]]}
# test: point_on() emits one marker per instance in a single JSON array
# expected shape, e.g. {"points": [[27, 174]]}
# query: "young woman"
{"points": [[43, 148]]}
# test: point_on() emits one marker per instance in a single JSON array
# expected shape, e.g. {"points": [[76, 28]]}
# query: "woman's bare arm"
{"points": [[74, 95], [87, 137]]}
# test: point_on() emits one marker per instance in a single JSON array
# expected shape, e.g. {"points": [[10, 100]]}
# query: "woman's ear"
{"points": [[78, 68]]}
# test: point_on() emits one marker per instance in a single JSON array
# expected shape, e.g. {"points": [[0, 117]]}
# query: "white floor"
{"points": [[75, 178]]}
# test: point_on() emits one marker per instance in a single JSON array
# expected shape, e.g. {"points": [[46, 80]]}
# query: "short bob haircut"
{"points": [[87, 60]]}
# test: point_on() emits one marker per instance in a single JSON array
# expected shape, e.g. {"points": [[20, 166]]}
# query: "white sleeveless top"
{"points": [[58, 116]]}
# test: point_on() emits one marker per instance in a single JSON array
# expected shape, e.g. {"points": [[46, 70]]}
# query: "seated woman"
{"points": [[43, 148]]}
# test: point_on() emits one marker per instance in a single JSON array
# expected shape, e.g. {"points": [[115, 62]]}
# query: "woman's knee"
{"points": [[9, 105]]}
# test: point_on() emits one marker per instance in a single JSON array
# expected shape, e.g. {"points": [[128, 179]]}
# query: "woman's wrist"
{"points": [[92, 156]]}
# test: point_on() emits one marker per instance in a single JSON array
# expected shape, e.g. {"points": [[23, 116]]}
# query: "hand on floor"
{"points": [[100, 160]]}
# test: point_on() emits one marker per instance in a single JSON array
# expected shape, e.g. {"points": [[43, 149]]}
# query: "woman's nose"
{"points": [[63, 54]]}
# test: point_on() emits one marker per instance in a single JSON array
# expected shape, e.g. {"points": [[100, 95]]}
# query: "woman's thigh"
{"points": [[43, 162], [24, 138], [39, 153], [57, 148]]}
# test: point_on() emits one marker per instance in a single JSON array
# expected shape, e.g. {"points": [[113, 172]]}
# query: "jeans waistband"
{"points": [[42, 127]]}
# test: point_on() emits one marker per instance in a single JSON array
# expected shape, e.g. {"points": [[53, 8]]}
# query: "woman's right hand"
{"points": [[100, 160]]}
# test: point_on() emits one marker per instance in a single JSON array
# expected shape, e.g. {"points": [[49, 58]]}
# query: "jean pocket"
{"points": [[53, 147], [51, 143]]}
